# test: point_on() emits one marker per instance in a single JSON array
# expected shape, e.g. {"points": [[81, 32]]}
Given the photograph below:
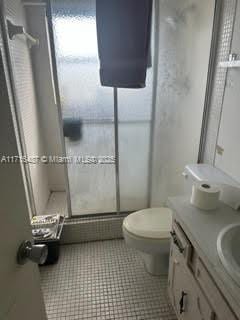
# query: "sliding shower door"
{"points": [[134, 127], [88, 119], [85, 102]]}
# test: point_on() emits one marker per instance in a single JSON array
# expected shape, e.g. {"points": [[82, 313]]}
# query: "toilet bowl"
{"points": [[148, 231]]}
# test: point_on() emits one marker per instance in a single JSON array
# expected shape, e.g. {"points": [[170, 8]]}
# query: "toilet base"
{"points": [[157, 264]]}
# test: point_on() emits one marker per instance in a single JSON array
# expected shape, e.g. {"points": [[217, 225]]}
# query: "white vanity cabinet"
{"points": [[192, 291]]}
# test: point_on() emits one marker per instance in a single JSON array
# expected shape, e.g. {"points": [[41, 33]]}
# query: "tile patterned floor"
{"points": [[103, 280]]}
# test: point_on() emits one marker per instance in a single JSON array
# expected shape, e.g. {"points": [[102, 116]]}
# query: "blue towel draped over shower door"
{"points": [[123, 32]]}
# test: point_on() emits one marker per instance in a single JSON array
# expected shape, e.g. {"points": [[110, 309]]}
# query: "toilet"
{"points": [[148, 231]]}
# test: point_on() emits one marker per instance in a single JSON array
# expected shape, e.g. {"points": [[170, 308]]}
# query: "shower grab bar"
{"points": [[14, 30]]}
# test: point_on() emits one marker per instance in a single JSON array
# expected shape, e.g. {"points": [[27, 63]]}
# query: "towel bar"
{"points": [[14, 30]]}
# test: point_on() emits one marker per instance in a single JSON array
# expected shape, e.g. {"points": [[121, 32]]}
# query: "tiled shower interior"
{"points": [[103, 280]]}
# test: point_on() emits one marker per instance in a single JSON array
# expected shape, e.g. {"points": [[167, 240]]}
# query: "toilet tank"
{"points": [[204, 172]]}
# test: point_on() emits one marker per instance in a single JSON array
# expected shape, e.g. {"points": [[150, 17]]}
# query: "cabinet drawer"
{"points": [[181, 242], [215, 297]]}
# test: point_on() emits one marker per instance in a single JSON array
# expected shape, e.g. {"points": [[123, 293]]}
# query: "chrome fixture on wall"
{"points": [[14, 30]]}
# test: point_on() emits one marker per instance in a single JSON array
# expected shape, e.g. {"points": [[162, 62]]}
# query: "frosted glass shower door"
{"points": [[84, 101], [134, 126], [89, 108]]}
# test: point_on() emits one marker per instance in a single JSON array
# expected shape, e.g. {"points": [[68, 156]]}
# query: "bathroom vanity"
{"points": [[200, 288]]}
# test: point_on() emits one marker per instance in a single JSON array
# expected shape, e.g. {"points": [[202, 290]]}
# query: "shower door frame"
{"points": [[55, 83], [55, 80]]}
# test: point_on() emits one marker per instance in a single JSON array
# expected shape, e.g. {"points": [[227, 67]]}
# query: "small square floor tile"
{"points": [[103, 280]]}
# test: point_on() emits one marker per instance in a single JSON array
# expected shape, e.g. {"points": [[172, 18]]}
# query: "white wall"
{"points": [[19, 285], [184, 46], [229, 132], [27, 105]]}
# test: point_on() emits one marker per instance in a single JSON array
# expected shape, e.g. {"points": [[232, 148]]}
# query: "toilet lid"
{"points": [[150, 223]]}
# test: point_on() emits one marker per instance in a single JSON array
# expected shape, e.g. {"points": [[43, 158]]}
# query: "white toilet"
{"points": [[148, 231]]}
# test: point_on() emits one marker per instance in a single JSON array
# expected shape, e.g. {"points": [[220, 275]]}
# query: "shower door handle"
{"points": [[29, 251]]}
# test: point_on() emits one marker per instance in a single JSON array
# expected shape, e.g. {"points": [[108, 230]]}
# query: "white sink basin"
{"points": [[228, 247]]}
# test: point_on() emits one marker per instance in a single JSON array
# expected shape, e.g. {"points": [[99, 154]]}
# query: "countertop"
{"points": [[202, 229]]}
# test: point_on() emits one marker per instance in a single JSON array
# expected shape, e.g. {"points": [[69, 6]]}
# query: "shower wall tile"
{"points": [[45, 93], [218, 85], [79, 230], [84, 229], [57, 203], [26, 102]]}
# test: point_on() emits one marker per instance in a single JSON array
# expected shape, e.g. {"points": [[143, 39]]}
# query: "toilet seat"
{"points": [[152, 223]]}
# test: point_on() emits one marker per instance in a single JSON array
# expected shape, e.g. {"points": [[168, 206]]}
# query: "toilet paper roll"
{"points": [[205, 196]]}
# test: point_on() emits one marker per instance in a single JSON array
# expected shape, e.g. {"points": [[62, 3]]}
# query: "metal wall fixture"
{"points": [[233, 61], [115, 95], [14, 30]]}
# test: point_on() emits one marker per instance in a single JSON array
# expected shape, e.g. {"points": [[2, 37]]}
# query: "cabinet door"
{"points": [[187, 298], [215, 297]]}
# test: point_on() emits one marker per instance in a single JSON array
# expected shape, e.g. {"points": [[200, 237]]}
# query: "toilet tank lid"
{"points": [[206, 172], [152, 223]]}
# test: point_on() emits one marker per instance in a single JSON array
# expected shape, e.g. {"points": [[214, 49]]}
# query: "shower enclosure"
{"points": [[107, 131], [128, 147]]}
